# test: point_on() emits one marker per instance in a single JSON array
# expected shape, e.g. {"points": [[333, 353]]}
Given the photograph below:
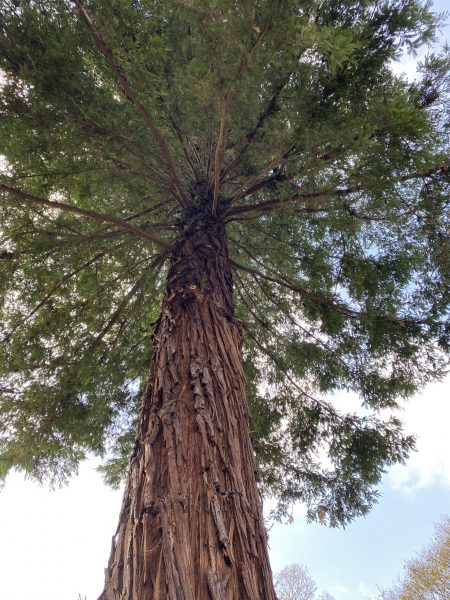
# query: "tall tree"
{"points": [[181, 178], [426, 577]]}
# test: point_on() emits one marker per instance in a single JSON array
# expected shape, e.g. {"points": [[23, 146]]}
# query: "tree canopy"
{"points": [[330, 172]]}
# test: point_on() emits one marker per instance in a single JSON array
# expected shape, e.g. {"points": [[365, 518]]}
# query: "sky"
{"points": [[54, 544], [371, 551]]}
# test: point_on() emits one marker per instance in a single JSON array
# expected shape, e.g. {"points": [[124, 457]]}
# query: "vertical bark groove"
{"points": [[191, 523]]}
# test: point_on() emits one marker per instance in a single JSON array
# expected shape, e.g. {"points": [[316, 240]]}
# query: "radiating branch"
{"points": [[288, 315], [218, 155], [121, 223], [261, 180], [251, 134], [342, 308], [53, 291], [133, 97], [156, 262], [277, 203]]}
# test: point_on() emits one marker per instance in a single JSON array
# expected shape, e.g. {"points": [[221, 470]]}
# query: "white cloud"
{"points": [[60, 539], [339, 591], [367, 591], [427, 416], [407, 67]]}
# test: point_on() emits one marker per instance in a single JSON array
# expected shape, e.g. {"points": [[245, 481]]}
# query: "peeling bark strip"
{"points": [[191, 524]]}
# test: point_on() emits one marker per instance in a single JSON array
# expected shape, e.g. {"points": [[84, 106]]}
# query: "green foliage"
{"points": [[332, 176]]}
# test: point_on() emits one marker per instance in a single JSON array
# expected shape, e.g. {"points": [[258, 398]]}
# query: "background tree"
{"points": [[426, 577], [182, 175], [294, 582]]}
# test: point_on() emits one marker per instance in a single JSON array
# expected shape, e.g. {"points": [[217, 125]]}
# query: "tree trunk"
{"points": [[191, 525]]}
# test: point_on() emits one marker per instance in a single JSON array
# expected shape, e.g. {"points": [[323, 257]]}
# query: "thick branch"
{"points": [[276, 203], [220, 147], [246, 59], [251, 134], [294, 288], [228, 104], [118, 311], [122, 223], [132, 96]]}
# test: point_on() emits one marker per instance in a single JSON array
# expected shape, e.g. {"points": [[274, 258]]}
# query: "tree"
{"points": [[294, 582], [244, 195], [428, 576]]}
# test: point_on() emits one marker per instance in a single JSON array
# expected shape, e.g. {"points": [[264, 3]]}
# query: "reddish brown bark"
{"points": [[191, 524]]}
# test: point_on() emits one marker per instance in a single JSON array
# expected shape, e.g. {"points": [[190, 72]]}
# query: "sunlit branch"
{"points": [[121, 223]]}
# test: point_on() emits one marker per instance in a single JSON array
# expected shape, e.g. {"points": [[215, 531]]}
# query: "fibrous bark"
{"points": [[191, 524]]}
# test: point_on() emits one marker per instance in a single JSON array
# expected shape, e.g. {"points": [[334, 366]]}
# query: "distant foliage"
{"points": [[426, 577], [294, 582]]}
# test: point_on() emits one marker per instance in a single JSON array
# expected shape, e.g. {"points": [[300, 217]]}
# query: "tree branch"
{"points": [[342, 308], [307, 332], [277, 203], [156, 262], [218, 155], [50, 294], [294, 288], [122, 223], [132, 96], [251, 134]]}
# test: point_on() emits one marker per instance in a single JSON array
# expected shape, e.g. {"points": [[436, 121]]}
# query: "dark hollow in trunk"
{"points": [[191, 525]]}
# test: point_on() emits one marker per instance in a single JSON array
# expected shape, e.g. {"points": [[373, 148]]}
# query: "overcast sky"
{"points": [[54, 545]]}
